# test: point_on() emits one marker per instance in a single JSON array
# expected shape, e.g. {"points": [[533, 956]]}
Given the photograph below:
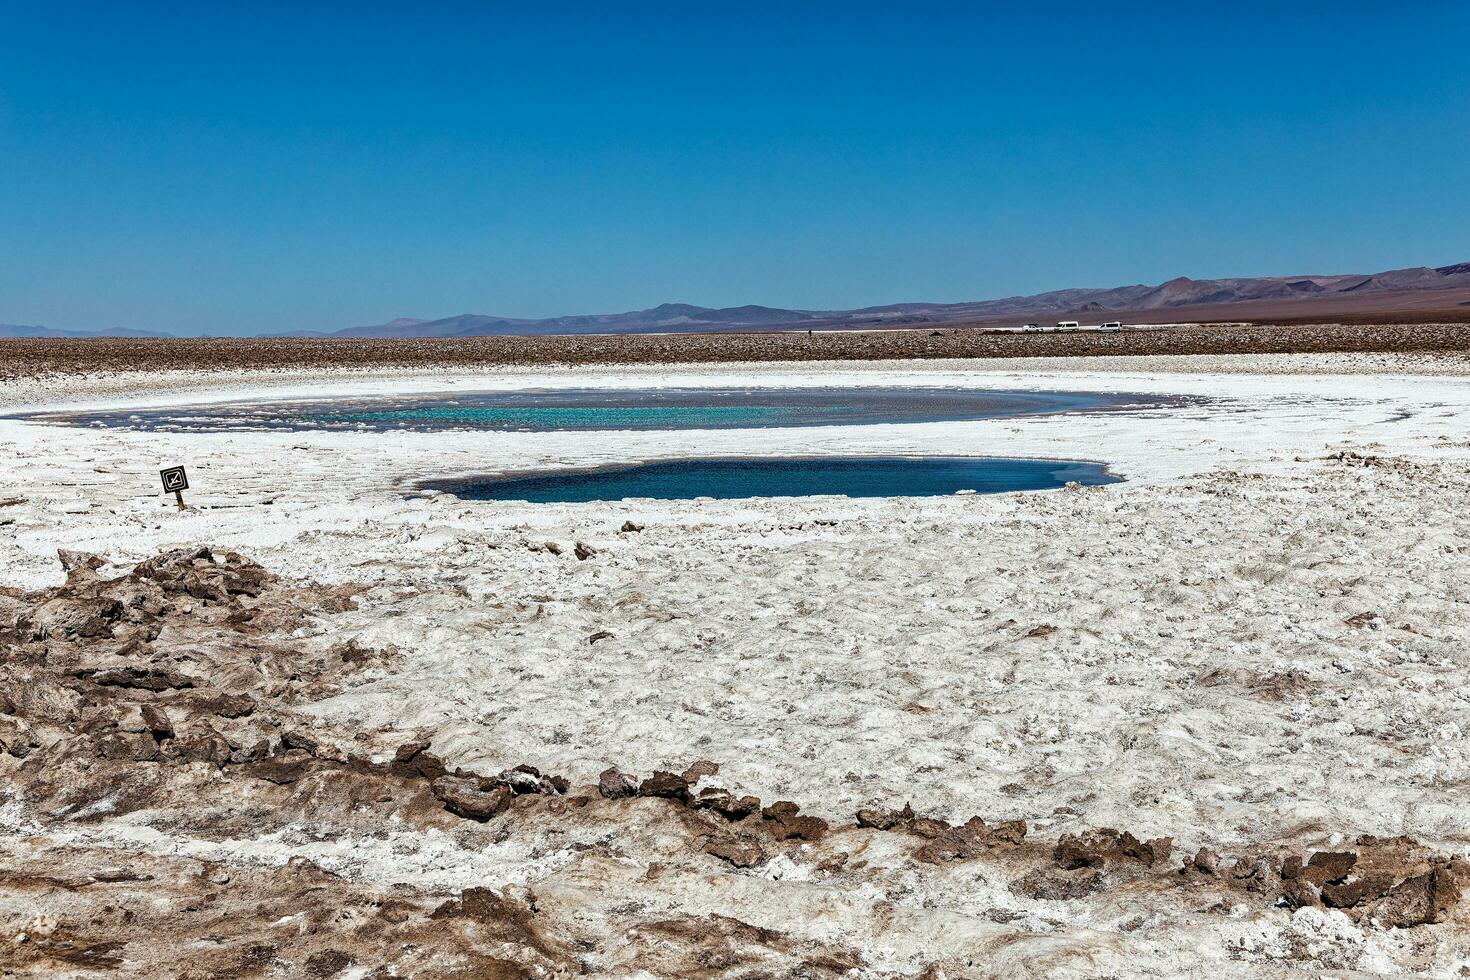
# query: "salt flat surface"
{"points": [[1171, 654]]}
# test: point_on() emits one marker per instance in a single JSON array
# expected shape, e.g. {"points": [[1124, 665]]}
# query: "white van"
{"points": [[1111, 326], [1068, 325]]}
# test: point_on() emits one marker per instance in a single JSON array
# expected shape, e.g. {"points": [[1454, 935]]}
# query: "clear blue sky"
{"points": [[226, 168]]}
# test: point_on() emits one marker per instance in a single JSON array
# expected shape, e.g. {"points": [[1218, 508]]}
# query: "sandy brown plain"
{"points": [[23, 358]]}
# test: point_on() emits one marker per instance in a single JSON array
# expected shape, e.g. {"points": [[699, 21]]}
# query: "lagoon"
{"points": [[588, 409], [727, 478]]}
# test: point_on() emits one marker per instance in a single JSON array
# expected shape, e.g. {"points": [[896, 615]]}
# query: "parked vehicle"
{"points": [[1031, 328], [1111, 326], [1068, 325]]}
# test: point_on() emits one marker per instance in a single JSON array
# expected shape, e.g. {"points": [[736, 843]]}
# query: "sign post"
{"points": [[175, 480]]}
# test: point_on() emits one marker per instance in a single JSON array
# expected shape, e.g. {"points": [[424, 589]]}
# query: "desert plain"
{"points": [[1212, 720]]}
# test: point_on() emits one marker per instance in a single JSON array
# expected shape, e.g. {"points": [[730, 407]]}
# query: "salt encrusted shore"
{"points": [[1260, 640]]}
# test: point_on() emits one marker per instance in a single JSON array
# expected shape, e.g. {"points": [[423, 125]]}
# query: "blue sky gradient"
{"points": [[257, 167]]}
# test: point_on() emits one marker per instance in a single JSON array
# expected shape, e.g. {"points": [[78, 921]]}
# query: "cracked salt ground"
{"points": [[1255, 647]]}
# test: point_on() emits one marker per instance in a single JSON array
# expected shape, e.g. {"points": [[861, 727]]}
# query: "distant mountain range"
{"points": [[1176, 294], [1182, 299], [17, 330]]}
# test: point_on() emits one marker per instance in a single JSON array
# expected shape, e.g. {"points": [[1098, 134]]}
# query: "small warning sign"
{"points": [[174, 479]]}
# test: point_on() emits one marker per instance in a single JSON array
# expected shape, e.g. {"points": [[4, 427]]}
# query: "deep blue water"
{"points": [[591, 409], [726, 478]]}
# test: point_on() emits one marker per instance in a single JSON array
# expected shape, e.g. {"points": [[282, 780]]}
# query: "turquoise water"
{"points": [[595, 409], [550, 418], [724, 478]]}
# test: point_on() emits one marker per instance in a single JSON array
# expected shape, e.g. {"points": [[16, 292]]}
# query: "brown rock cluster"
{"points": [[1394, 881], [945, 841], [780, 821], [1099, 848]]}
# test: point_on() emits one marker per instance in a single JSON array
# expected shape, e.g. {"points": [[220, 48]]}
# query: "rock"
{"points": [[630, 528], [1072, 852], [667, 785], [117, 874], [157, 722], [406, 752], [1325, 866], [42, 925], [17, 738], [698, 770], [1259, 873], [725, 803], [928, 827], [128, 718], [229, 705], [1095, 848], [599, 636], [1301, 894], [743, 852], [1005, 832], [1205, 862], [197, 574], [525, 779], [614, 784], [967, 841], [85, 618], [1355, 891], [254, 752], [1395, 882], [141, 678], [295, 739], [505, 913], [1150, 853], [583, 551], [785, 824], [73, 561], [464, 798], [415, 759], [1421, 900], [880, 819], [552, 547]]}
